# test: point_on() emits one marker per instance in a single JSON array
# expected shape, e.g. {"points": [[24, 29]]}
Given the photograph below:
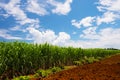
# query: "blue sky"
{"points": [[77, 23]]}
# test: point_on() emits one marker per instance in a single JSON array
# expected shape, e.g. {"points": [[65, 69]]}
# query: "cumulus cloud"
{"points": [[90, 33], [36, 7], [75, 23], [15, 28], [110, 9], [62, 38], [4, 15], [107, 17], [13, 8], [85, 22], [109, 5], [107, 37], [61, 8], [4, 34], [110, 34], [115, 6], [42, 36], [48, 36]]}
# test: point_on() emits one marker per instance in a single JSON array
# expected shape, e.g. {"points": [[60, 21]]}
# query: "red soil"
{"points": [[107, 69]]}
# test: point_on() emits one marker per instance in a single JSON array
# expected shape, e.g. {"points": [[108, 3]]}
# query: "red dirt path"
{"points": [[107, 69]]}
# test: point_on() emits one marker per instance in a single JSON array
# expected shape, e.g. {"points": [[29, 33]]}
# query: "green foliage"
{"points": [[91, 60], [56, 69], [78, 63], [36, 75], [43, 73], [22, 78], [20, 58], [86, 60]]}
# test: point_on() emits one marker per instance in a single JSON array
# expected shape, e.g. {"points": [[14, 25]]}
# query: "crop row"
{"points": [[20, 58]]}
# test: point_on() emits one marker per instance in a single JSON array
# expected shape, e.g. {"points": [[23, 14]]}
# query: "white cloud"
{"points": [[115, 6], [105, 38], [110, 34], [107, 17], [4, 15], [61, 8], [76, 23], [72, 43], [4, 34], [62, 38], [85, 22], [104, 4], [15, 28], [29, 21], [48, 36], [35, 7], [111, 11], [90, 33], [42, 36], [109, 5], [110, 37], [13, 8]]}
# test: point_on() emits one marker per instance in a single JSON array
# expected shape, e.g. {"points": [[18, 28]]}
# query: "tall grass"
{"points": [[19, 58]]}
